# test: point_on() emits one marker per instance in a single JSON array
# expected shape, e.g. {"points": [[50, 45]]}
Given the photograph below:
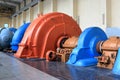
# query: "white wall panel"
{"points": [[17, 21], [35, 11], [65, 6], [91, 13], [47, 6], [115, 13], [21, 19], [27, 16]]}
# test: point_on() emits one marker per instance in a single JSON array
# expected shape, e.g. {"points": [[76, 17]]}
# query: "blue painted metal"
{"points": [[18, 36], [13, 29], [5, 38], [116, 68], [84, 53], [113, 31]]}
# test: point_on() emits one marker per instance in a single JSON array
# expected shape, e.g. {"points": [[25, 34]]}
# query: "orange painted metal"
{"points": [[63, 51], [109, 49], [44, 33], [71, 42]]}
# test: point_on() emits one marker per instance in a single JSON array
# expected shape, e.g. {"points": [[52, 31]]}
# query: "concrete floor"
{"points": [[63, 71], [13, 69], [36, 69]]}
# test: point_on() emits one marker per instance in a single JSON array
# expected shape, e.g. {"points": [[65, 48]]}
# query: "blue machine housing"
{"points": [[13, 29], [5, 38], [116, 68], [18, 36], [84, 53]]}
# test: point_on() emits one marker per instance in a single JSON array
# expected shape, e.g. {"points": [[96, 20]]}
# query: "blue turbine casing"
{"points": [[84, 53], [116, 68], [5, 38], [18, 36], [13, 29]]}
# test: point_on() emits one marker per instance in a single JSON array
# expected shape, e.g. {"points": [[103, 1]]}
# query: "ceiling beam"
{"points": [[8, 3], [26, 7], [13, 1], [16, 0]]}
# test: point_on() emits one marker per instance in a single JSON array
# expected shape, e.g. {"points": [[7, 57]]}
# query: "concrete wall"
{"points": [[35, 11], [47, 6], [5, 20], [21, 18], [27, 19], [101, 13], [65, 6], [115, 13], [91, 13]]}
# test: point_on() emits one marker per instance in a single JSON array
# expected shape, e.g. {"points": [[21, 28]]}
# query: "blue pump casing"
{"points": [[84, 53], [5, 38], [13, 29], [116, 68], [18, 36]]}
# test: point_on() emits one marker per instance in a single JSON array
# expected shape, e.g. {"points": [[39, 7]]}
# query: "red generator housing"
{"points": [[46, 33]]}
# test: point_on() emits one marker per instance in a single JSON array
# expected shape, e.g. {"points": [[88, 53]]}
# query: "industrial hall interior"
{"points": [[59, 39]]}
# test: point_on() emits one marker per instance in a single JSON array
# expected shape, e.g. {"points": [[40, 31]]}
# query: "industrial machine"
{"points": [[6, 35], [95, 49], [18, 36], [108, 50], [110, 54], [13, 29], [62, 52], [46, 34], [57, 37]]}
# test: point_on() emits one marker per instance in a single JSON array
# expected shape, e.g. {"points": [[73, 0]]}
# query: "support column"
{"points": [[31, 14], [75, 10], [13, 22], [108, 13], [104, 14], [18, 21], [24, 16], [40, 7], [54, 5], [14, 25]]}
